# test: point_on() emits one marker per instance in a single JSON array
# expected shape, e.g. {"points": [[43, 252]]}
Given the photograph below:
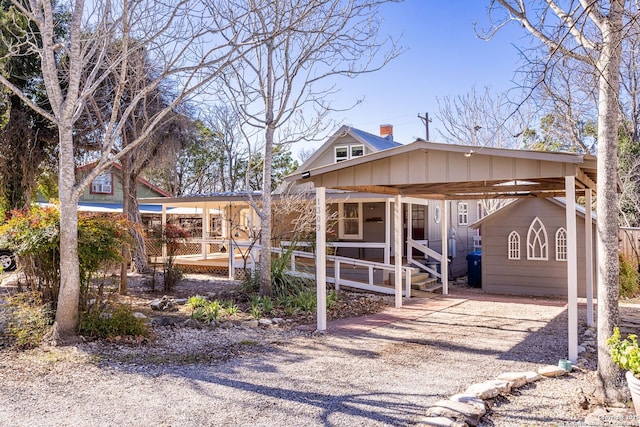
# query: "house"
{"points": [[361, 226], [105, 194], [364, 217], [524, 248]]}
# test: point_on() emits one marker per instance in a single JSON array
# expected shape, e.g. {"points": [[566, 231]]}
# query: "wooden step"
{"points": [[427, 284]]}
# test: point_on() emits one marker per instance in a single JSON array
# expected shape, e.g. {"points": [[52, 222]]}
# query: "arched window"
{"points": [[537, 248], [514, 245], [561, 244]]}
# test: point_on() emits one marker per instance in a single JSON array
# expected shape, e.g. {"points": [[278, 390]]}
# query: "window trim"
{"points": [[463, 214], [349, 148], [561, 244], [513, 245], [111, 186], [537, 241], [341, 224], [335, 153]]}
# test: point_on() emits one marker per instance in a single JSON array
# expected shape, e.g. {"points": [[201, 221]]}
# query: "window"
{"points": [[514, 245], [342, 153], [102, 184], [350, 225], [537, 248], [463, 213], [561, 244], [349, 152]]}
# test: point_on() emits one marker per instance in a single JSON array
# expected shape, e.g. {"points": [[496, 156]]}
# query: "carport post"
{"points": [[572, 267], [397, 243], [321, 258], [164, 227], [588, 255], [444, 264], [206, 220]]}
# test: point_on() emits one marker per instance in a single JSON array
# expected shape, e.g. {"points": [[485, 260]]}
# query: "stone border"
{"points": [[466, 409]]}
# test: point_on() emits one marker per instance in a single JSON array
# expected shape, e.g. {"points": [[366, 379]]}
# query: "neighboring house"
{"points": [[524, 248], [105, 192]]}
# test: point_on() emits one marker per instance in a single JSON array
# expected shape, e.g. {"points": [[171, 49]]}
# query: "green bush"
{"points": [[34, 236], [209, 312], [120, 322], [24, 320], [629, 278]]}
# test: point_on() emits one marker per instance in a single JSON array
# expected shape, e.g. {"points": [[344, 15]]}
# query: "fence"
{"points": [[629, 243]]}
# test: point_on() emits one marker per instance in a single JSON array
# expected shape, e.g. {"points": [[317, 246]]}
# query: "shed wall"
{"points": [[523, 276]]}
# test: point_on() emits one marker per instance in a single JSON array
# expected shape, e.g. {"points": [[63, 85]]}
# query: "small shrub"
{"points": [[332, 299], [306, 300], [629, 278], [256, 310], [197, 301], [231, 309], [24, 320], [209, 312], [120, 322]]}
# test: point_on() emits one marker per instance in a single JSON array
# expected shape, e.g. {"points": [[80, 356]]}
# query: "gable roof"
{"points": [[454, 172], [375, 143], [559, 201], [117, 166]]}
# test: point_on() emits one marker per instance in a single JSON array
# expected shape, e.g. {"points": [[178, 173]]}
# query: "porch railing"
{"points": [[429, 253]]}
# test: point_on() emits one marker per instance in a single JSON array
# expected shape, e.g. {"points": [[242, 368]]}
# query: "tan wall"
{"points": [[328, 156], [527, 277]]}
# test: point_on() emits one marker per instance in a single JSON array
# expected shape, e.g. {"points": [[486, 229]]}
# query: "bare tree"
{"points": [[484, 119], [282, 88], [178, 38], [592, 33]]}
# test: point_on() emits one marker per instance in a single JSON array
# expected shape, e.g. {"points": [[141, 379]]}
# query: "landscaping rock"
{"points": [[516, 379], [250, 323], [163, 304], [552, 371], [139, 315], [265, 323], [533, 376], [192, 323], [478, 403], [488, 389], [440, 422], [277, 320], [459, 411], [163, 321]]}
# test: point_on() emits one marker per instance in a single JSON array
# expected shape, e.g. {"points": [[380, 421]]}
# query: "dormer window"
{"points": [[346, 152], [102, 184]]}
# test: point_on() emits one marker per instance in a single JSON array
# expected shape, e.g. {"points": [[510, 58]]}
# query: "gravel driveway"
{"points": [[386, 376]]}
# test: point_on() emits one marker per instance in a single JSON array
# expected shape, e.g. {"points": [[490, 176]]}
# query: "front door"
{"points": [[418, 224]]}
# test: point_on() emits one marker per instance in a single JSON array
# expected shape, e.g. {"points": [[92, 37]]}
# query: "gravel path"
{"points": [[387, 376]]}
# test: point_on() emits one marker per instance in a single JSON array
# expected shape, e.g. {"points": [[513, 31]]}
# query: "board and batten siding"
{"points": [[528, 277]]}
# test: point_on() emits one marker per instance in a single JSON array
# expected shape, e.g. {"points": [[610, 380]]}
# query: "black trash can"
{"points": [[474, 264]]}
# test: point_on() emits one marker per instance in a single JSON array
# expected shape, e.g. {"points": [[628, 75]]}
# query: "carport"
{"points": [[455, 172]]}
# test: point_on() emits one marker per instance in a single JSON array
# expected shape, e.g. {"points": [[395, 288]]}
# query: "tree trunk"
{"points": [[124, 282], [139, 258], [610, 378], [66, 320], [265, 236]]}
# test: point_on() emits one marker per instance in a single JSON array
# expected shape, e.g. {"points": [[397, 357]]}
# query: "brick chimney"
{"points": [[386, 131]]}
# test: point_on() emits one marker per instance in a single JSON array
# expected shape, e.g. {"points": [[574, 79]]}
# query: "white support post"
{"points": [[444, 265], [321, 258], [588, 255], [336, 274], [164, 227], [206, 220], [572, 267], [397, 236], [232, 268], [387, 238]]}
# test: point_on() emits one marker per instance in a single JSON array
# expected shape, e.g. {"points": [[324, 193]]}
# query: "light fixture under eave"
{"points": [[469, 153], [306, 174]]}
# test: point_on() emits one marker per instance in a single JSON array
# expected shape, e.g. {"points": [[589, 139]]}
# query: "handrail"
{"points": [[429, 253]]}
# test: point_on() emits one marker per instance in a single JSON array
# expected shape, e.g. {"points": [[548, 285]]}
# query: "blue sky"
{"points": [[444, 57]]}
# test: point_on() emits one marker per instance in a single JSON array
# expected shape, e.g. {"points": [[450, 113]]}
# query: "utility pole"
{"points": [[426, 120]]}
